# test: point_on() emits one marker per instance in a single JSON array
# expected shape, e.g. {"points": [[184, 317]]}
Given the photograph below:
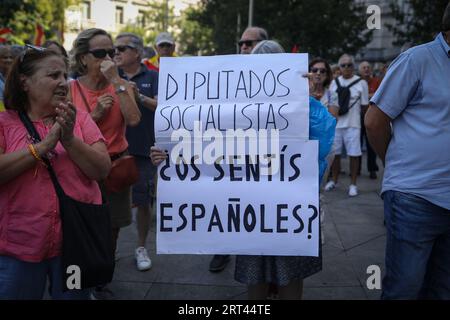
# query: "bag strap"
{"points": [[354, 82], [77, 83], [35, 135], [338, 83]]}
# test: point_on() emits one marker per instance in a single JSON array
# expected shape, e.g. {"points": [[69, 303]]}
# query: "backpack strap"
{"points": [[354, 82], [338, 83]]}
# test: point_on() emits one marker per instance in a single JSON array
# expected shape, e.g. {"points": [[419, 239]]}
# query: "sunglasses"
{"points": [[346, 65], [101, 53], [248, 43], [30, 48], [165, 45], [123, 48], [320, 70]]}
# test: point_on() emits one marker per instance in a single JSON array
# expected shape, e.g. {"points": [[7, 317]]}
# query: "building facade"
{"points": [[110, 15], [381, 48]]}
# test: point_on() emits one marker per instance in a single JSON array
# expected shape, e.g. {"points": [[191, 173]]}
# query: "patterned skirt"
{"points": [[277, 270]]}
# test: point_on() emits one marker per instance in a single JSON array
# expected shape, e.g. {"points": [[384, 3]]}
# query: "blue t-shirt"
{"points": [[415, 94], [142, 137]]}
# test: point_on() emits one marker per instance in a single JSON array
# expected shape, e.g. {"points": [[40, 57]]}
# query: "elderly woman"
{"points": [[109, 99], [30, 224], [285, 273]]}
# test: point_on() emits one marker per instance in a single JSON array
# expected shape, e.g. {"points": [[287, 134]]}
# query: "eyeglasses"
{"points": [[320, 70], [29, 48], [248, 43], [346, 65], [123, 48], [101, 53], [165, 45]]}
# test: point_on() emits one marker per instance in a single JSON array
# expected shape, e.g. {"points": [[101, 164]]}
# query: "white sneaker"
{"points": [[143, 262], [330, 185], [353, 190]]}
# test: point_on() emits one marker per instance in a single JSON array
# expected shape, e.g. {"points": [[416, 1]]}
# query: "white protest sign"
{"points": [[230, 185]]}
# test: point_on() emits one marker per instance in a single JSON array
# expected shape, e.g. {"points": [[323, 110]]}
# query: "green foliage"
{"points": [[324, 28], [22, 15], [156, 19], [417, 21], [194, 39]]}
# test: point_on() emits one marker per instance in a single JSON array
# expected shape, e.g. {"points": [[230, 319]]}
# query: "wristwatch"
{"points": [[141, 98], [121, 89]]}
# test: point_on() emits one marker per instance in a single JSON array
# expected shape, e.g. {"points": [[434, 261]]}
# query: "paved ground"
{"points": [[354, 239]]}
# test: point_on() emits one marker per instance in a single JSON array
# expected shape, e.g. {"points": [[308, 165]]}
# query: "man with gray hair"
{"points": [[129, 50], [250, 38], [353, 95]]}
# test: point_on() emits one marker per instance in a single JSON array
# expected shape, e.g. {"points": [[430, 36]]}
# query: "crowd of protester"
{"points": [[97, 103]]}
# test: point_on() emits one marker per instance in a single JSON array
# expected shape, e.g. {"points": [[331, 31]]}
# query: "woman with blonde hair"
{"points": [[109, 99]]}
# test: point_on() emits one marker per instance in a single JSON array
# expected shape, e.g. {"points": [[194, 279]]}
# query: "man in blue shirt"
{"points": [[129, 49], [408, 124]]}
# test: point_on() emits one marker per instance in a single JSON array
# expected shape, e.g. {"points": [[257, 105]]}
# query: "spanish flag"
{"points": [[39, 35]]}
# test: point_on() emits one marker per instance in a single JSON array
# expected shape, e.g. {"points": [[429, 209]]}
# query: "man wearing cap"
{"points": [[165, 47]]}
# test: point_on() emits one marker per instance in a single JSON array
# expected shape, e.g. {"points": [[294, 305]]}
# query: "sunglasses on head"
{"points": [[248, 43], [123, 48], [320, 70], [30, 48], [101, 53], [346, 65]]}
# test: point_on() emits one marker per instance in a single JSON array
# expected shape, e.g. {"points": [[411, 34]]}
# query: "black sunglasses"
{"points": [[320, 70], [101, 53], [346, 65], [123, 48], [165, 45], [248, 43]]}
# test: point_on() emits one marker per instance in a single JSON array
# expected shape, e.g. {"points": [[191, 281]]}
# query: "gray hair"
{"points": [[261, 32], [268, 46], [135, 40], [81, 47], [345, 55]]}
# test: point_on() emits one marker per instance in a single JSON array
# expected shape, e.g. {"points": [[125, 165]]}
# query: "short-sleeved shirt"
{"points": [[30, 225], [359, 96], [330, 98], [112, 125], [415, 94], [142, 137]]}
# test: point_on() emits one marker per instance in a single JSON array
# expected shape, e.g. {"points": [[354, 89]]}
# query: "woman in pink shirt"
{"points": [[109, 99], [30, 224]]}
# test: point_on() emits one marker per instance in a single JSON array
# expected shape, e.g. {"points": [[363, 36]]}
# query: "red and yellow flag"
{"points": [[39, 35]]}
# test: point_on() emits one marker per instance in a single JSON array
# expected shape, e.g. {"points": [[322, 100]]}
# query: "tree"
{"points": [[23, 15], [417, 21], [194, 39], [153, 22], [324, 28]]}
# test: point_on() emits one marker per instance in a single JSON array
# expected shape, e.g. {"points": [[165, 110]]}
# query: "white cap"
{"points": [[164, 37]]}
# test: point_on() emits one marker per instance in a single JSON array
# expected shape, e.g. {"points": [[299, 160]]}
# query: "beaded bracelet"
{"points": [[34, 153]]}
